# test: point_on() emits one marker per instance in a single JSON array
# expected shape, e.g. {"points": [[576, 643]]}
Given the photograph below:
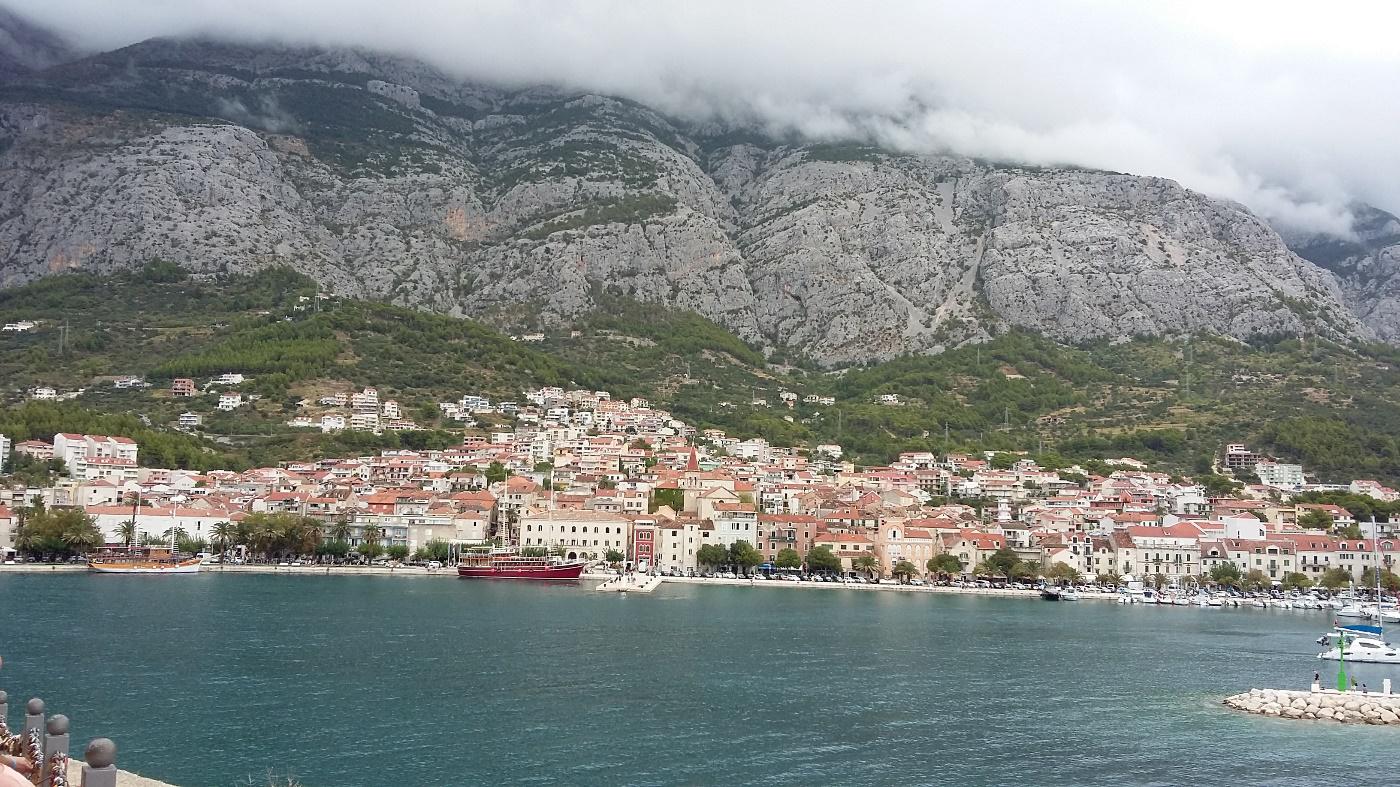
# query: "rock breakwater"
{"points": [[1347, 707]]}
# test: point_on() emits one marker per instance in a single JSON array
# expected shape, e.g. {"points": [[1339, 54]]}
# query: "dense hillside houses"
{"points": [[585, 476]]}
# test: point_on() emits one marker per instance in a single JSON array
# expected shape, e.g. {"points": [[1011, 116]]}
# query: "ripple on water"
{"points": [[463, 683]]}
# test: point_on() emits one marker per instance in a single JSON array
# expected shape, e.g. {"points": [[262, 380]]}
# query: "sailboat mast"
{"points": [[1376, 569]]}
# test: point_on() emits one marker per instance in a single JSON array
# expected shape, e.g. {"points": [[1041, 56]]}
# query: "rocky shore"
{"points": [[1347, 707]]}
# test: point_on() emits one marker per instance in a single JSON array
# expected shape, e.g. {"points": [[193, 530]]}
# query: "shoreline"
{"points": [[419, 572], [885, 586], [423, 573]]}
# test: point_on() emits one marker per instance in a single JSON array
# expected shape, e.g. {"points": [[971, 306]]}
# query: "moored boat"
{"points": [[1364, 644], [509, 563], [143, 560]]}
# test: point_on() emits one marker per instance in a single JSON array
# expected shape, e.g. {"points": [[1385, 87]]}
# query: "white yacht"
{"points": [[1364, 645], [1385, 613]]}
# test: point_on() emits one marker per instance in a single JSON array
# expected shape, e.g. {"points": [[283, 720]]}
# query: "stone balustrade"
{"points": [[45, 742]]}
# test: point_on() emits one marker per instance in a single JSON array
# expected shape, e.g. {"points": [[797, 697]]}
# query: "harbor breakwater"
{"points": [[1347, 707]]}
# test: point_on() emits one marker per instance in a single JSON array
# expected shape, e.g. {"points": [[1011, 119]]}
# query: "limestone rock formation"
{"points": [[523, 206], [1368, 267]]}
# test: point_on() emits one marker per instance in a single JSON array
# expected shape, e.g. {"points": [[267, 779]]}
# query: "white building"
{"points": [[365, 422], [1277, 474], [94, 457], [44, 393], [366, 401], [4, 452], [189, 420], [578, 533], [332, 422], [733, 522], [230, 401]]}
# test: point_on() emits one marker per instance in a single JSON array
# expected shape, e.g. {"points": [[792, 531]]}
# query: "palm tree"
{"points": [[81, 536], [867, 563], [223, 533], [340, 531], [905, 570], [315, 535], [369, 538], [128, 533]]}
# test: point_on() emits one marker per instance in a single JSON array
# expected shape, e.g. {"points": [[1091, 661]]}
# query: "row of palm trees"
{"points": [[279, 535], [56, 533]]}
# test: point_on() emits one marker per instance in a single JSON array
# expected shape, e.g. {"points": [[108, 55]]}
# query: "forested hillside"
{"points": [[1330, 407]]}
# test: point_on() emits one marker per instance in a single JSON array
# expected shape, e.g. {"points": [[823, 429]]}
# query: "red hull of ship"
{"points": [[564, 571]]}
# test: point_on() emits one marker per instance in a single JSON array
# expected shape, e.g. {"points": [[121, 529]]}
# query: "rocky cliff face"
{"points": [[1367, 266], [521, 207]]}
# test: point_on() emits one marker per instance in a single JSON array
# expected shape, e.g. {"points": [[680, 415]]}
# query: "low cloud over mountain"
{"points": [[1286, 107]]}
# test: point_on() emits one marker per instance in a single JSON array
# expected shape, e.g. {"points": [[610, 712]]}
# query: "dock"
{"points": [[632, 583]]}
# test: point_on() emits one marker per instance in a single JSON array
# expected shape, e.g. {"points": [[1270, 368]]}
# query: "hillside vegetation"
{"points": [[1332, 408]]}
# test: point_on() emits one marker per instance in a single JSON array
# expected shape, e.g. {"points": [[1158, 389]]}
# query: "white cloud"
{"points": [[1288, 107]]}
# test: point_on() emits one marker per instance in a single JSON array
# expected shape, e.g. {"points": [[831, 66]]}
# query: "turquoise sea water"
{"points": [[213, 680]]}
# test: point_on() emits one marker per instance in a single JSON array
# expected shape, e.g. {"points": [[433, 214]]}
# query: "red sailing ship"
{"points": [[508, 563]]}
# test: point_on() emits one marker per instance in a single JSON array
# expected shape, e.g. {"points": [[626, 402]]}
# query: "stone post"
{"points": [[34, 716], [99, 764], [57, 739], [55, 749], [1385, 689]]}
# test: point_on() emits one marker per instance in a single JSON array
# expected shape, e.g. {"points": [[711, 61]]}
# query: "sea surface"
{"points": [[223, 680]]}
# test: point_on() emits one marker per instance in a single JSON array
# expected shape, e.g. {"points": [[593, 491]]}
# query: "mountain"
{"points": [[383, 177], [1367, 266], [25, 47]]}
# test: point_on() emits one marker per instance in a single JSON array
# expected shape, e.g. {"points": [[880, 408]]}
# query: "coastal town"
{"points": [[582, 476]]}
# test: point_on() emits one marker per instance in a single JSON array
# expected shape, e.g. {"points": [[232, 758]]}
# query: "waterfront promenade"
{"points": [[418, 572]]}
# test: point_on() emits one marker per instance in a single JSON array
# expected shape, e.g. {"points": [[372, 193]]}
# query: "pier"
{"points": [[632, 583]]}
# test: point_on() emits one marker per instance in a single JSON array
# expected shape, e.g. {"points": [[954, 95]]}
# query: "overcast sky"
{"points": [[1292, 108]]}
